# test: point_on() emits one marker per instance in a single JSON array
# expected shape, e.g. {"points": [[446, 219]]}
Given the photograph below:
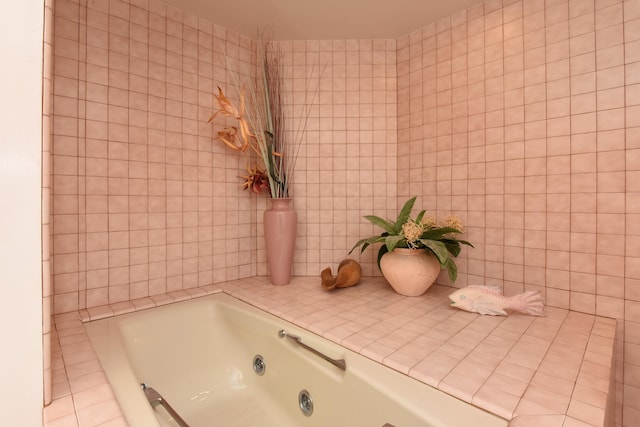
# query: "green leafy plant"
{"points": [[423, 232]]}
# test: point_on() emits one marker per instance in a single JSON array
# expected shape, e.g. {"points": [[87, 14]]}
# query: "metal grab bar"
{"points": [[340, 363], [156, 399]]}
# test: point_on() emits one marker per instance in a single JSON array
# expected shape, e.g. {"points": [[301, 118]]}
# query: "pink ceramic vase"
{"points": [[410, 272], [280, 223]]}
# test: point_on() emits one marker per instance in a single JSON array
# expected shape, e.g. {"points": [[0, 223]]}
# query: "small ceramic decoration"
{"points": [[489, 300], [349, 273], [410, 272]]}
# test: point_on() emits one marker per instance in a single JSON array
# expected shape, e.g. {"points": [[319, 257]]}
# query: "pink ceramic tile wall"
{"points": [[47, 93], [144, 202], [521, 116], [346, 168], [631, 36]]}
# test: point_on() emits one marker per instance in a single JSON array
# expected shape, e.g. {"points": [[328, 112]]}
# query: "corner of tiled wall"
{"points": [[47, 212], [146, 202], [519, 116], [344, 163], [630, 380]]}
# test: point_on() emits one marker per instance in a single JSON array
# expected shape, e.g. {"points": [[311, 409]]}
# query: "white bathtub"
{"points": [[199, 355]]}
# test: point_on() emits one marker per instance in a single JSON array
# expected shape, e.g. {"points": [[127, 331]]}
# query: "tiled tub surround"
{"points": [[520, 116], [552, 371]]}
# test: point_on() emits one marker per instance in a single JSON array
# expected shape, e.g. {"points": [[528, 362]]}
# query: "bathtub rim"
{"points": [[130, 397]]}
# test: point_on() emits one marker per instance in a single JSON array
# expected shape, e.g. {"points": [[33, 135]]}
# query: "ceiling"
{"points": [[324, 19]]}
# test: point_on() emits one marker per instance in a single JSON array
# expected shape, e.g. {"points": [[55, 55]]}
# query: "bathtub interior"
{"points": [[199, 355]]}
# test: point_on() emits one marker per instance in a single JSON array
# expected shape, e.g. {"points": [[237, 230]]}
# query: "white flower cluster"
{"points": [[412, 231]]}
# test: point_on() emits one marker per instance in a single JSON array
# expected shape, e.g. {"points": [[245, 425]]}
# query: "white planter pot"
{"points": [[410, 271]]}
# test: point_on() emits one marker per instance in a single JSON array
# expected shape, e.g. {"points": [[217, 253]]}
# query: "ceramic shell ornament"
{"points": [[489, 300], [349, 273]]}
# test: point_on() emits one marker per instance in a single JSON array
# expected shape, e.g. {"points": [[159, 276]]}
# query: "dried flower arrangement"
{"points": [[262, 132]]}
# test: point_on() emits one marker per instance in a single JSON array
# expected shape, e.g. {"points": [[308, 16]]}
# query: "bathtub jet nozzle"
{"points": [[259, 365]]}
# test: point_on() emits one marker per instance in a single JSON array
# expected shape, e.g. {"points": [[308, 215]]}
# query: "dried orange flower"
{"points": [[256, 181], [229, 136], [226, 108]]}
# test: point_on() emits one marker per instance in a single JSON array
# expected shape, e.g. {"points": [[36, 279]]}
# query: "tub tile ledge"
{"points": [[448, 345]]}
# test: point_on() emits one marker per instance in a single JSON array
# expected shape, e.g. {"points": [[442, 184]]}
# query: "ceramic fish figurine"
{"points": [[349, 273], [489, 300]]}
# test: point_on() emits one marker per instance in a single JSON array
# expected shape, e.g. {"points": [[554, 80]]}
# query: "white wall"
{"points": [[20, 212]]}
